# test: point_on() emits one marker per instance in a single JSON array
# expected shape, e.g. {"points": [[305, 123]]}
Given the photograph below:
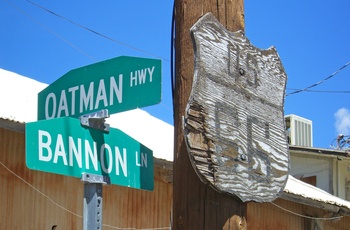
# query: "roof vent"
{"points": [[299, 130]]}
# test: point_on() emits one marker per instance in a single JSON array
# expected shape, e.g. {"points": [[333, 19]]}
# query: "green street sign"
{"points": [[117, 84], [63, 146]]}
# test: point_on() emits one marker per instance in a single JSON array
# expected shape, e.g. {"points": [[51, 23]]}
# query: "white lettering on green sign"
{"points": [[139, 77], [94, 95], [112, 158], [58, 106]]}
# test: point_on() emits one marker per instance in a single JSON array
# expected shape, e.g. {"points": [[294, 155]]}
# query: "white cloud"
{"points": [[342, 121], [18, 96]]}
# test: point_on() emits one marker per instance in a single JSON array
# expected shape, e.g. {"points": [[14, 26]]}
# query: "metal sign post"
{"points": [[92, 219], [93, 185]]}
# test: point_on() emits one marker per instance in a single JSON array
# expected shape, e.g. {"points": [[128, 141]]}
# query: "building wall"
{"points": [[263, 216], [332, 172], [302, 166], [341, 178], [267, 216], [50, 199]]}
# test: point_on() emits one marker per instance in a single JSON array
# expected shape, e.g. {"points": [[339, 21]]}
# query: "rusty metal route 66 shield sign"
{"points": [[234, 121]]}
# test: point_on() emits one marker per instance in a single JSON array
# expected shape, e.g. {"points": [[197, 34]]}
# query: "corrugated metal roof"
{"points": [[320, 151], [12, 124], [301, 192]]}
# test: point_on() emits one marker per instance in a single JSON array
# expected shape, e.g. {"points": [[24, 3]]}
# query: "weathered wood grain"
{"points": [[234, 124]]}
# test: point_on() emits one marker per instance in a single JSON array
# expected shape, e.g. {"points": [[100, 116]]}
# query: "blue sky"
{"points": [[311, 37]]}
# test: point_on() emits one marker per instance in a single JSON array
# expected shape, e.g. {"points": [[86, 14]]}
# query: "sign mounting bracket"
{"points": [[96, 120]]}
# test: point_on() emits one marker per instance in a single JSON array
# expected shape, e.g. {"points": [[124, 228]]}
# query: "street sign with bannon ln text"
{"points": [[117, 84], [63, 146], [234, 120]]}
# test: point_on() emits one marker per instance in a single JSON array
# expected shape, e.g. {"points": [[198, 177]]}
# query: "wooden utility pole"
{"points": [[196, 205]]}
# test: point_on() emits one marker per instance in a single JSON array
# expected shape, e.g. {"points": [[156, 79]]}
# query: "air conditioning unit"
{"points": [[299, 130]]}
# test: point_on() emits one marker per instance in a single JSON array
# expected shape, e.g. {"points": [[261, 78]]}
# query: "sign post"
{"points": [[87, 147], [196, 205], [92, 218]]}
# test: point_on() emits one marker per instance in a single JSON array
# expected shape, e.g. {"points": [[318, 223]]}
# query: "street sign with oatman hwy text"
{"points": [[117, 84]]}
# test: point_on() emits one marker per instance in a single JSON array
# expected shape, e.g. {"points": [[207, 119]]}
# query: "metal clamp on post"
{"points": [[95, 179], [96, 120]]}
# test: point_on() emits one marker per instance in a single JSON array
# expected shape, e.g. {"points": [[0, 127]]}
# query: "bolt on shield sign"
{"points": [[234, 120]]}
